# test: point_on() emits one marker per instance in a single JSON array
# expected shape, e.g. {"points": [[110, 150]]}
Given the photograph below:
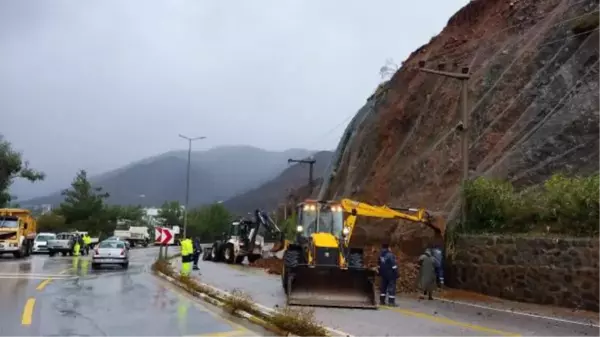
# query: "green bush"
{"points": [[563, 205]]}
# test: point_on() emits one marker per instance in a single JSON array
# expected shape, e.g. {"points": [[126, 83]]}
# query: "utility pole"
{"points": [[462, 126], [187, 182], [311, 161]]}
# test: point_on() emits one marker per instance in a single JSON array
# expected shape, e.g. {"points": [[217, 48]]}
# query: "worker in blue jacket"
{"points": [[438, 255], [388, 272]]}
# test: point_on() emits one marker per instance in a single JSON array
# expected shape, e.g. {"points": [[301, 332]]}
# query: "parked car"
{"points": [[40, 244], [111, 252], [63, 243]]}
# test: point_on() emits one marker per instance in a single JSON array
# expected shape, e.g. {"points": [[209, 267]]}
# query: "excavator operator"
{"points": [[328, 219]]}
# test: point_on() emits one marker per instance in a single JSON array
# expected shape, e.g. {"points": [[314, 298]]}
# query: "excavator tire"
{"points": [[229, 254], [291, 259], [214, 253], [206, 254]]}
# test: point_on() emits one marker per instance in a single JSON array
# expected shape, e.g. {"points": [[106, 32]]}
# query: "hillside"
{"points": [[216, 174], [533, 108], [268, 195]]}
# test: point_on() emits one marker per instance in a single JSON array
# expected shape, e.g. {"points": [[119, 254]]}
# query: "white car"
{"points": [[113, 252], [40, 244]]}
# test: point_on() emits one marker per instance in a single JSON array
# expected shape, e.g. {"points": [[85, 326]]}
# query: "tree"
{"points": [[12, 166], [388, 69], [209, 221], [171, 212], [288, 227], [83, 207], [51, 222], [130, 213]]}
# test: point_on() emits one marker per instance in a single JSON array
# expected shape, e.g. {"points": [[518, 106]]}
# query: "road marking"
{"points": [[42, 285], [563, 320], [26, 277], [220, 334], [448, 321], [33, 274], [28, 312]]}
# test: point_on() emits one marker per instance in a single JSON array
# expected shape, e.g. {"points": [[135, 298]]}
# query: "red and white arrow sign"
{"points": [[166, 237], [158, 234]]}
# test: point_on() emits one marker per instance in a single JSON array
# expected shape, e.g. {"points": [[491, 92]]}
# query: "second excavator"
{"points": [[320, 268]]}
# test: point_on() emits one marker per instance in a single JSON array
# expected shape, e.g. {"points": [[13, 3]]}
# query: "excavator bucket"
{"points": [[331, 287]]}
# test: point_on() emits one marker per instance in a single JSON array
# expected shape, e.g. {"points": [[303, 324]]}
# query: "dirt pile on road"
{"points": [[407, 267], [409, 270], [271, 265]]}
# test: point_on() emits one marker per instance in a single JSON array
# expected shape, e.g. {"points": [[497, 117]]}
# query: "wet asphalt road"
{"points": [[43, 296], [411, 317]]}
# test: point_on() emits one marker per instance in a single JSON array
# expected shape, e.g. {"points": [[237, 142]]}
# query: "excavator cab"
{"points": [[319, 269]]}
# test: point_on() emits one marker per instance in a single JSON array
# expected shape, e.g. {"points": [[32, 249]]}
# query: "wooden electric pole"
{"points": [[462, 126]]}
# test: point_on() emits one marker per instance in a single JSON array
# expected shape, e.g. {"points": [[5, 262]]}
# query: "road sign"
{"points": [[164, 236], [157, 234], [167, 237]]}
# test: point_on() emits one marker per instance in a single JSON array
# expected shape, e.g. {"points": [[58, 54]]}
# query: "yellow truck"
{"points": [[17, 231]]}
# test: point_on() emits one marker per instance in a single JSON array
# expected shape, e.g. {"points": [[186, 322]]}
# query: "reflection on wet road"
{"points": [[63, 296]]}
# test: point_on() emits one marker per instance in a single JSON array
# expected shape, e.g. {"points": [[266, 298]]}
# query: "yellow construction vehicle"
{"points": [[17, 231], [320, 268]]}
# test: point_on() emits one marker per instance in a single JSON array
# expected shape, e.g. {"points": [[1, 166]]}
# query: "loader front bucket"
{"points": [[326, 286]]}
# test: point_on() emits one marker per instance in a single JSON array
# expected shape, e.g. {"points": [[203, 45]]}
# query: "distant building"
{"points": [[151, 216], [46, 208]]}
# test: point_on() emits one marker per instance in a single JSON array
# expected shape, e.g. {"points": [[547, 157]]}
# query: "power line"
{"points": [[328, 133]]}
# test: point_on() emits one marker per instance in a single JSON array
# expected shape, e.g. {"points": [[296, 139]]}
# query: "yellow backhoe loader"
{"points": [[319, 267]]}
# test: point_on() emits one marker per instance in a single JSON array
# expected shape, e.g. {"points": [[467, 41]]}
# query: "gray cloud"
{"points": [[97, 84]]}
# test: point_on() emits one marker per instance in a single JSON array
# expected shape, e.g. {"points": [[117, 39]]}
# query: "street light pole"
{"points": [[187, 182], [310, 161], [464, 77]]}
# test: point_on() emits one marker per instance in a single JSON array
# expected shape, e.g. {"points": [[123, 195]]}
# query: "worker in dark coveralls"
{"points": [[427, 279], [388, 272], [197, 252]]}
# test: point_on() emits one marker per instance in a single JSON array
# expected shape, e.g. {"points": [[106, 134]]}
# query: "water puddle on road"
{"points": [[215, 311]]}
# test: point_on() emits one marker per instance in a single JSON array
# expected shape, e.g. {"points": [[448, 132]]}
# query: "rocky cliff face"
{"points": [[533, 102]]}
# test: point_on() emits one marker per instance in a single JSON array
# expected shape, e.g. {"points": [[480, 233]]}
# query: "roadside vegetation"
{"points": [[299, 322], [562, 206], [12, 167]]}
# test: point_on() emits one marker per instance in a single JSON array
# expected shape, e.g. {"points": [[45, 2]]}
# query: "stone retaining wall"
{"points": [[556, 271]]}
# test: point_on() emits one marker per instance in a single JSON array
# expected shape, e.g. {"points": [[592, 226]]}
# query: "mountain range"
{"points": [[275, 191], [218, 174]]}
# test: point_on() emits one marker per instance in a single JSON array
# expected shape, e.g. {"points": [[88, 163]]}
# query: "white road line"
{"points": [[33, 274], [514, 312], [25, 277]]}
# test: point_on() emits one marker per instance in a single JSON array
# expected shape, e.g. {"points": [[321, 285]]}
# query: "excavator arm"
{"points": [[355, 208], [265, 220]]}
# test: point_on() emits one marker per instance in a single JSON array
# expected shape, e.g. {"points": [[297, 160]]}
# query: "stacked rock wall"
{"points": [[556, 271]]}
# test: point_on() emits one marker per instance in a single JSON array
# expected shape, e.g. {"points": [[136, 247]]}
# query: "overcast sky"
{"points": [[98, 84]]}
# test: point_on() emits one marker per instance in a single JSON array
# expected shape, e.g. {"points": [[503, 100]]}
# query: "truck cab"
{"points": [[17, 231]]}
